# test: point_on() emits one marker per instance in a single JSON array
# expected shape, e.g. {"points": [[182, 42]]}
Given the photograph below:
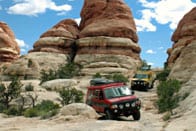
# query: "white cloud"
{"points": [[161, 48], [78, 20], [144, 24], [150, 52], [150, 63], [34, 7], [163, 12], [23, 46]]}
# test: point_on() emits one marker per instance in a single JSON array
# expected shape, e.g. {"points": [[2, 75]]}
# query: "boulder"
{"points": [[59, 39], [58, 84], [9, 49], [181, 59], [78, 111]]}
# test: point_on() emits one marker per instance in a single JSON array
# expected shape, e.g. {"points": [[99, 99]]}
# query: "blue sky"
{"points": [[156, 21]]}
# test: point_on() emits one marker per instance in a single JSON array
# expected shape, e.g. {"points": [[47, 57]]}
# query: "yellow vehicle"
{"points": [[143, 79]]}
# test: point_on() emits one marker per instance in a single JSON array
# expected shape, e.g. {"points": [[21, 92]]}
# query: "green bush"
{"points": [[7, 94], [65, 72], [47, 76], [162, 76], [29, 87], [168, 95], [45, 110], [13, 110], [120, 78], [31, 112], [68, 71], [115, 77], [97, 75], [70, 96]]}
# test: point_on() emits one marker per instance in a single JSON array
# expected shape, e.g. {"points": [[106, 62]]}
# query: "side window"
{"points": [[98, 94], [90, 95]]}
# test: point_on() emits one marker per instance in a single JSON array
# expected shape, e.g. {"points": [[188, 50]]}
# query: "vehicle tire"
{"points": [[136, 115], [109, 115]]}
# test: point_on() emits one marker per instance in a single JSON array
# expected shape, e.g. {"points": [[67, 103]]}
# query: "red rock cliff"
{"points": [[182, 60], [107, 18], [58, 39], [9, 49], [107, 41]]}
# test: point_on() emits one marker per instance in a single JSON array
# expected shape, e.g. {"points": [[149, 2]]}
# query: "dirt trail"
{"points": [[150, 121]]}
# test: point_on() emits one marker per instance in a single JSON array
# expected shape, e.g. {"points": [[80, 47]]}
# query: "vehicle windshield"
{"points": [[141, 76], [117, 92]]}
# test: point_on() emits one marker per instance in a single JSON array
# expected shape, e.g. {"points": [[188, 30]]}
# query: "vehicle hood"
{"points": [[121, 99]]}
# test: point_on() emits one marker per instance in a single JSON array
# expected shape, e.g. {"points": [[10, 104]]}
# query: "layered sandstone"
{"points": [[107, 41], [182, 58], [107, 18], [29, 66], [58, 39], [9, 49]]}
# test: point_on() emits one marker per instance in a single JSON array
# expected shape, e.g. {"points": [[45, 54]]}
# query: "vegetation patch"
{"points": [[70, 95], [168, 97], [65, 72], [45, 110], [115, 77]]}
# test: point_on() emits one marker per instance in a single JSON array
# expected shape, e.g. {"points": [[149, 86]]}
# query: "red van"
{"points": [[113, 100]]}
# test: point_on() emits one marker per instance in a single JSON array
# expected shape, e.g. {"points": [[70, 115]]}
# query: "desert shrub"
{"points": [[168, 97], [13, 110], [97, 75], [68, 71], [45, 110], [167, 116], [162, 76], [29, 87], [2, 107], [119, 78], [115, 77], [30, 62], [31, 112], [47, 75], [7, 94], [70, 96]]}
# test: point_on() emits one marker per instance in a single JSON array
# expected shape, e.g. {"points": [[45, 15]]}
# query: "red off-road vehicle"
{"points": [[113, 99]]}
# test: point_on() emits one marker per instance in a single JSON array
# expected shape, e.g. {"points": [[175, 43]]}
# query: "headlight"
{"points": [[121, 106], [127, 105], [133, 104], [114, 106]]}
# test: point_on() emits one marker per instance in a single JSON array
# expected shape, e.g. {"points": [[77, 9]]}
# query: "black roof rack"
{"points": [[100, 81]]}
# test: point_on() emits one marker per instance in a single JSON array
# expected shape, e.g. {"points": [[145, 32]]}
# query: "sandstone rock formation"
{"points": [[58, 39], [182, 58], [29, 66], [108, 39], [9, 49], [105, 42], [107, 18]]}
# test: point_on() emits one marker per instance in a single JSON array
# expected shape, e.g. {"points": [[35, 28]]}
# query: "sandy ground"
{"points": [[150, 121]]}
